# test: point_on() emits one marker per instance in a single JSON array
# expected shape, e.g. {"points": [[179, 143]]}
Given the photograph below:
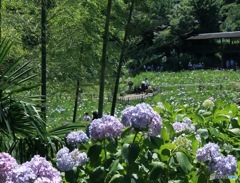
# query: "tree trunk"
{"points": [[44, 57], [76, 102], [121, 59], [0, 21], [104, 60]]}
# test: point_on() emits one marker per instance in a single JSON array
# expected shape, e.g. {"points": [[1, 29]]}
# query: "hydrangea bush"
{"points": [[170, 143]]}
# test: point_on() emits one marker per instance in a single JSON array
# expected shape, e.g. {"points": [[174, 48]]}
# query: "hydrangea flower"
{"points": [[224, 165], [79, 159], [36, 169], [217, 162], [77, 137], [142, 117], [7, 163], [43, 169], [186, 124], [22, 174], [182, 143], [208, 103], [106, 127], [64, 161], [178, 126], [67, 160], [208, 153], [126, 116]]}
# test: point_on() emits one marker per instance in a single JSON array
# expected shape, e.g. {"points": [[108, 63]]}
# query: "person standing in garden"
{"points": [[146, 82], [143, 85], [86, 117], [146, 85], [94, 115]]}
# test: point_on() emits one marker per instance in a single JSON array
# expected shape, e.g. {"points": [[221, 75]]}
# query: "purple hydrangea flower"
{"points": [[37, 168], [67, 160], [217, 162], [43, 180], [43, 169], [178, 126], [142, 117], [156, 125], [77, 137], [208, 153], [64, 161], [224, 165], [7, 163], [185, 125], [22, 174], [106, 127], [79, 158]]}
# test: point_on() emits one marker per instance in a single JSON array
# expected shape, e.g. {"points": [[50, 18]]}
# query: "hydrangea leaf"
{"points": [[94, 152], [165, 134], [130, 152], [157, 170], [165, 151], [203, 133], [98, 175], [183, 161], [117, 178]]}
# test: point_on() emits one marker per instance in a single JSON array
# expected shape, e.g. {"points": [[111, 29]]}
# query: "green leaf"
{"points": [[126, 132], [180, 117], [165, 134], [195, 117], [203, 133], [165, 151], [153, 142], [157, 170], [125, 151], [70, 176], [115, 166], [183, 161], [117, 178], [202, 178], [94, 152], [195, 143], [235, 131], [130, 152], [98, 175], [4, 50]]}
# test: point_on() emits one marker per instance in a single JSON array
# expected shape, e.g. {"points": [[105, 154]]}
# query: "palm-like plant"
{"points": [[19, 119], [22, 131]]}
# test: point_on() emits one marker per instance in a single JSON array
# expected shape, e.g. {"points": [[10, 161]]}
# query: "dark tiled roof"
{"points": [[216, 35]]}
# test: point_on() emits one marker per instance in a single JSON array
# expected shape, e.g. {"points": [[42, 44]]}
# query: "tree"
{"points": [[230, 17], [104, 60], [207, 13], [122, 56], [44, 56]]}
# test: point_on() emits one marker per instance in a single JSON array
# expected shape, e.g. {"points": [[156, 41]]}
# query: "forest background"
{"points": [[64, 40]]}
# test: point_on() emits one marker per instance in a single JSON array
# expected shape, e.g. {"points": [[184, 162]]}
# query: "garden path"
{"points": [[136, 96]]}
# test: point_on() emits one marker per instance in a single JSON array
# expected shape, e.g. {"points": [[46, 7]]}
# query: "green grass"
{"points": [[181, 88]]}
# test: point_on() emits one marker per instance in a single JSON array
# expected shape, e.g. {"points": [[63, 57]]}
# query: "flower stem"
{"points": [[135, 136], [104, 148]]}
